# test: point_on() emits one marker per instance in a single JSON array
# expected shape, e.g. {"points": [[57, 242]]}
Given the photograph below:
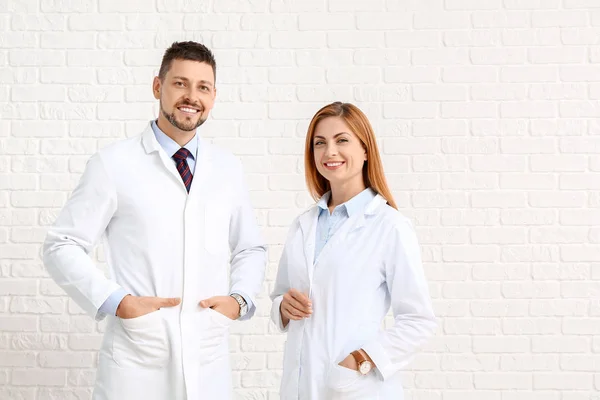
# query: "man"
{"points": [[175, 214]]}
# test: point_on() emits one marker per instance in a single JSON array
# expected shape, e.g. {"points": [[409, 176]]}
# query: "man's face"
{"points": [[187, 93]]}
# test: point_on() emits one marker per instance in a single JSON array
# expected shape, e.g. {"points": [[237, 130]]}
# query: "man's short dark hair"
{"points": [[192, 51]]}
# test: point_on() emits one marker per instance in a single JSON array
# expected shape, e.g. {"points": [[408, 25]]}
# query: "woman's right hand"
{"points": [[295, 306]]}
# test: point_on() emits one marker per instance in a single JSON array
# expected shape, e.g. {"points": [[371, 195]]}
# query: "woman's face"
{"points": [[339, 154]]}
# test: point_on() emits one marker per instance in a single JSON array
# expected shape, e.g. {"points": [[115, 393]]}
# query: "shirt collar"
{"points": [[322, 204], [352, 206], [170, 146]]}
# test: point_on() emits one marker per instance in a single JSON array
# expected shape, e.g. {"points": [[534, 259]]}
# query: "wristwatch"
{"points": [[364, 365], [242, 303]]}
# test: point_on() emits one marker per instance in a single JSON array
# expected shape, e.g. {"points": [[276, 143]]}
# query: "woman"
{"points": [[346, 260]]}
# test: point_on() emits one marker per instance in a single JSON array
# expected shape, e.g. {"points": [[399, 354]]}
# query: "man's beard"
{"points": [[184, 126]]}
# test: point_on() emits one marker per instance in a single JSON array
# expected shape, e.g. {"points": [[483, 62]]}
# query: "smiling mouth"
{"points": [[188, 110], [333, 164]]}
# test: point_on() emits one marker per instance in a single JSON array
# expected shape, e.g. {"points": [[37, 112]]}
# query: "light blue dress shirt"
{"points": [[329, 223], [170, 147]]}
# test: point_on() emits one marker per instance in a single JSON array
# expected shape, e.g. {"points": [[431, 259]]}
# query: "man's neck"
{"points": [[180, 137]]}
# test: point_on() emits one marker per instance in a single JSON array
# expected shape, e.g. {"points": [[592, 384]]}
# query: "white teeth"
{"points": [[336, 164], [189, 110]]}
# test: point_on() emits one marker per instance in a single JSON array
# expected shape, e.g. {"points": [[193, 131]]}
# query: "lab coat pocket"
{"points": [[216, 228], [212, 329], [219, 318], [141, 342], [347, 384]]}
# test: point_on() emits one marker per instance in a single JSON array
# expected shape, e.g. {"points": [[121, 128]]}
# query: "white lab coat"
{"points": [[371, 262], [159, 241]]}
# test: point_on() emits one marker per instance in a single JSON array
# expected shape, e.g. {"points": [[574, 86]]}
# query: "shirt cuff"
{"points": [[110, 305], [250, 304]]}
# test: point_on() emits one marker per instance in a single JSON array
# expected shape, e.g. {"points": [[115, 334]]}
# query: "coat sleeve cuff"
{"points": [[109, 307], [380, 358], [276, 315], [112, 298]]}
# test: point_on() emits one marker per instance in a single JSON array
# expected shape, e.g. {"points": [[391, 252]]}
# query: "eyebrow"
{"points": [[334, 136], [209, 83]]}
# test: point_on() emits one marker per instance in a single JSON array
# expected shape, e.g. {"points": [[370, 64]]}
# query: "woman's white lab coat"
{"points": [[371, 263], [160, 241]]}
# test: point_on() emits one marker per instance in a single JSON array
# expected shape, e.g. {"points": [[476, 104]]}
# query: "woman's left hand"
{"points": [[349, 362]]}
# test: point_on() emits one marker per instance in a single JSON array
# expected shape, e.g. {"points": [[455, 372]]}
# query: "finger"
{"points": [[297, 305], [300, 313], [291, 315], [301, 297], [167, 302], [207, 303], [297, 313]]}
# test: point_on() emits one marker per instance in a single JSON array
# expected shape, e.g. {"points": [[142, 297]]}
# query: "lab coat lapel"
{"points": [[352, 226], [369, 210], [308, 225], [203, 158], [346, 231], [203, 167], [151, 145]]}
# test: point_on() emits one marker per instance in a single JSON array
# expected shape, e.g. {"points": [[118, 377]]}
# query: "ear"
{"points": [[156, 85]]}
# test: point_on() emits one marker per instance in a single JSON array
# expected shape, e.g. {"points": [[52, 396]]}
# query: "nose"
{"points": [[191, 97], [331, 150]]}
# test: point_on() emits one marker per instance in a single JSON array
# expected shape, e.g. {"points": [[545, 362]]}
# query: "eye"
{"points": [[319, 142], [342, 140], [179, 83], [204, 88]]}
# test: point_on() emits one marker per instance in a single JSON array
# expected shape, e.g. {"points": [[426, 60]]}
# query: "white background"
{"points": [[487, 116]]}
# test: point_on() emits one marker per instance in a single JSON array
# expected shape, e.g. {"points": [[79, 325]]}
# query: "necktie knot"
{"points": [[182, 154]]}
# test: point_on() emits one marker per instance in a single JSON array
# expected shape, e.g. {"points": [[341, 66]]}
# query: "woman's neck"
{"points": [[344, 192]]}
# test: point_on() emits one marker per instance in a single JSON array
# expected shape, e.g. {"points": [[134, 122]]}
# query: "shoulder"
{"points": [[398, 233], [113, 153], [219, 153], [222, 158], [393, 221], [121, 149]]}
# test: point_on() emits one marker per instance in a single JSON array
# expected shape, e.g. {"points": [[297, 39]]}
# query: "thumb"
{"points": [[207, 303], [168, 302]]}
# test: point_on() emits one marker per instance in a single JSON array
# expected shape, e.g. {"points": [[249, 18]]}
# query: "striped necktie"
{"points": [[183, 168]]}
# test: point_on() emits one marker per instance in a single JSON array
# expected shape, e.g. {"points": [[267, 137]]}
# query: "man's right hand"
{"points": [[137, 306], [295, 306]]}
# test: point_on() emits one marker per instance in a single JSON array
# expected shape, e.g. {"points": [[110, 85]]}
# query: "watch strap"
{"points": [[242, 303], [358, 356]]}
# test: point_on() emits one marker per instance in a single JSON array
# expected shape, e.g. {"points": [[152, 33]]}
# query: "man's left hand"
{"points": [[225, 305]]}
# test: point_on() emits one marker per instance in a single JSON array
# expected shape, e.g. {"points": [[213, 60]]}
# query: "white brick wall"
{"points": [[487, 115]]}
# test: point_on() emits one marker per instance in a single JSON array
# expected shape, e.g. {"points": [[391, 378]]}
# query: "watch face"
{"points": [[365, 367]]}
